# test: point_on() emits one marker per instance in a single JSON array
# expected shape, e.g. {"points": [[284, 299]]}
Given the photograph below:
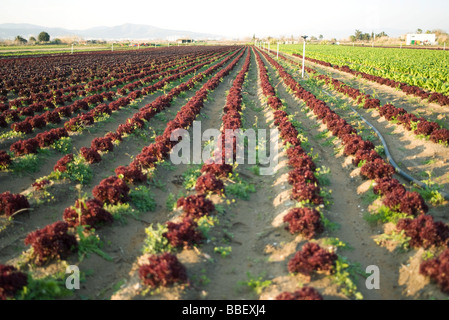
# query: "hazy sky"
{"points": [[236, 18]]}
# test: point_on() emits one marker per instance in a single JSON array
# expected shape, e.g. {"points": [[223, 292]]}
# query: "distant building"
{"points": [[421, 39], [185, 40]]}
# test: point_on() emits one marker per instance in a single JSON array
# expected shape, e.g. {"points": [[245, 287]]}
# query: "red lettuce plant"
{"points": [[302, 161], [92, 214], [52, 242], [305, 221], [424, 232], [131, 174], [112, 190], [114, 136], [386, 186], [11, 281], [62, 163], [23, 147], [426, 128], [409, 202], [11, 203], [209, 183], [102, 144], [219, 170], [162, 270], [183, 234], [303, 191], [5, 159], [438, 270], [23, 127], [312, 258], [196, 206], [440, 136], [41, 184], [91, 155], [301, 175], [377, 169]]}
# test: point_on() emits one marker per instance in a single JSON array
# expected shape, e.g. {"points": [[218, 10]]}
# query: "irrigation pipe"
{"points": [[390, 159]]}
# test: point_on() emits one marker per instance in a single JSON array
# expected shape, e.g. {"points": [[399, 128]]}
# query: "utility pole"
{"points": [[304, 56]]}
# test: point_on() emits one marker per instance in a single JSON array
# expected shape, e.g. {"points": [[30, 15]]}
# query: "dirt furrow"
{"points": [[347, 208], [125, 242]]}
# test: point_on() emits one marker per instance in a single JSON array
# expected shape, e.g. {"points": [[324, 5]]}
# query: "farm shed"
{"points": [[185, 40], [421, 39]]}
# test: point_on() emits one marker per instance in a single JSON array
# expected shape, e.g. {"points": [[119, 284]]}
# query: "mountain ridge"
{"points": [[127, 31]]}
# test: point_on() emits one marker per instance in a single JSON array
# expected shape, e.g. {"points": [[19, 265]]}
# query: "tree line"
{"points": [[43, 37], [360, 36]]}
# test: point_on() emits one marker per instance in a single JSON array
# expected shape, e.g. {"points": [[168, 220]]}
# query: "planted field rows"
{"points": [[413, 72], [126, 167]]}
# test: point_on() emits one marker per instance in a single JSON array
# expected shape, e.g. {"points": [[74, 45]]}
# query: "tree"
{"points": [[358, 34], [321, 37], [43, 37], [20, 40], [382, 34], [419, 31], [365, 37], [32, 39]]}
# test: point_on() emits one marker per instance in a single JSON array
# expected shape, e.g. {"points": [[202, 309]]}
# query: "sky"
{"points": [[236, 18]]}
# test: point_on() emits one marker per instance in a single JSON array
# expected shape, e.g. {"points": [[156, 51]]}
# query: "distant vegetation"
{"points": [[360, 36], [43, 37]]}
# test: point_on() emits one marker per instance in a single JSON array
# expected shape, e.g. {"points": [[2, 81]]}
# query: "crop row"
{"points": [[57, 241], [28, 76], [39, 121], [77, 123], [420, 228], [164, 268], [44, 101], [302, 220], [436, 97], [419, 126], [13, 203], [421, 69]]}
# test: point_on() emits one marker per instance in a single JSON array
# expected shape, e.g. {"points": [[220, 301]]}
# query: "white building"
{"points": [[421, 39]]}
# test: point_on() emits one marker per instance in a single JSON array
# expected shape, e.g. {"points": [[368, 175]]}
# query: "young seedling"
{"points": [[143, 198], [223, 251], [256, 283], [155, 242]]}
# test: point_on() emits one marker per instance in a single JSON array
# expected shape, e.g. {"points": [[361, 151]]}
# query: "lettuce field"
{"points": [[92, 205]]}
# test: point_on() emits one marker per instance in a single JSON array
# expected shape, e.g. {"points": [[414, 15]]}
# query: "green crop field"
{"points": [[428, 69]]}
